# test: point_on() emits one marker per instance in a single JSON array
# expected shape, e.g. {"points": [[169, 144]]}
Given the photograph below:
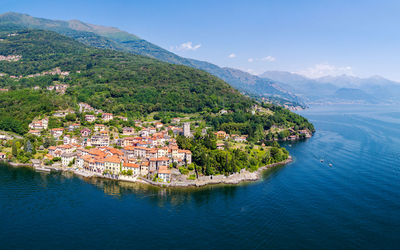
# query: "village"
{"points": [[89, 144], [147, 150]]}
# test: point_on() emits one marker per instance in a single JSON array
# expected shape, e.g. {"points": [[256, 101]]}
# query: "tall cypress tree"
{"points": [[14, 150]]}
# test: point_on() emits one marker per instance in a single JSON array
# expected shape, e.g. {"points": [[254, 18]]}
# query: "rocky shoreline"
{"points": [[233, 179]]}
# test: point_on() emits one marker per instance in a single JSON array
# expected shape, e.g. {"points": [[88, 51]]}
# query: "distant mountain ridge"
{"points": [[337, 89], [113, 38]]}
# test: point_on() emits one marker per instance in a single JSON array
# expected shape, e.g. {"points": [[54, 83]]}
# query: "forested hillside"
{"points": [[117, 82], [113, 38], [146, 84]]}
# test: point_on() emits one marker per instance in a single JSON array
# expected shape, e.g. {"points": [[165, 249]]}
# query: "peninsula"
{"points": [[103, 113]]}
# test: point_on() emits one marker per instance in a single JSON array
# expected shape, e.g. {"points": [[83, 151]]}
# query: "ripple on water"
{"points": [[305, 204]]}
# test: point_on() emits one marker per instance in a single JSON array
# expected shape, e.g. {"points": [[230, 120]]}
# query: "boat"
{"points": [[322, 160], [330, 164]]}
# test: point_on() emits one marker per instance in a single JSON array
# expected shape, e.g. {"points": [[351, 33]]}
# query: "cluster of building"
{"points": [[106, 117], [10, 58], [63, 113], [148, 149], [84, 107], [36, 126], [55, 71], [296, 135], [222, 135], [147, 154], [59, 88]]}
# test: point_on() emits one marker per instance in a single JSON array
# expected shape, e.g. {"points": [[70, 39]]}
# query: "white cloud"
{"points": [[187, 46], [251, 71], [233, 55], [268, 59], [263, 59], [325, 69]]}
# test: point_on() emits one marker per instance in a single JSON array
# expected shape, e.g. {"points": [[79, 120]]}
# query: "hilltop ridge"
{"points": [[113, 38]]}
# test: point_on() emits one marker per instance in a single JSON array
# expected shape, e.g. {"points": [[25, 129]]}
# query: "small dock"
{"points": [[37, 165]]}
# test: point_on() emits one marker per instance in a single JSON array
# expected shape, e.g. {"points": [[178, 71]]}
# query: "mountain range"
{"points": [[118, 82], [113, 38], [277, 86], [337, 89], [43, 71]]}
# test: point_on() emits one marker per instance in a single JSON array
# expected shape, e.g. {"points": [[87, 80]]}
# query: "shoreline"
{"points": [[233, 179]]}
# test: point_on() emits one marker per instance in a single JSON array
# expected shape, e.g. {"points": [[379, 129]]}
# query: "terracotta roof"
{"points": [[184, 151], [57, 129], [86, 157], [142, 148], [96, 151], [131, 138], [99, 160], [113, 159], [129, 148], [131, 165], [115, 151], [163, 159], [164, 170]]}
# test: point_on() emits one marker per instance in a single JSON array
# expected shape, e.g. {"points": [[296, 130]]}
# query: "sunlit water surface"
{"points": [[355, 203]]}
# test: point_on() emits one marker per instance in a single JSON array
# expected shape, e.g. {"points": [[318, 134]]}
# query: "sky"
{"points": [[313, 38]]}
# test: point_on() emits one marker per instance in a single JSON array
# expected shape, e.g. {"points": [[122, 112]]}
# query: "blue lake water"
{"points": [[306, 204]]}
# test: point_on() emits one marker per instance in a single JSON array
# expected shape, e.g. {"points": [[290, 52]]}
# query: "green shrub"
{"points": [[183, 170]]}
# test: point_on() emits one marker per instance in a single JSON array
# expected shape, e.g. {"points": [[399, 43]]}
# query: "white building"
{"points": [[164, 174], [107, 117], [186, 129], [67, 158]]}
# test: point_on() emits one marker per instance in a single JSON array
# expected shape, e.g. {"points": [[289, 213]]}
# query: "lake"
{"points": [[355, 203]]}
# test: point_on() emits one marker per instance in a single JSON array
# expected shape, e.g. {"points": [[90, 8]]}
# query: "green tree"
{"points": [[70, 117], [14, 149], [28, 146]]}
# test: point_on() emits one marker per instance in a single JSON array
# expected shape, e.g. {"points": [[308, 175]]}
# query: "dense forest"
{"points": [[115, 81], [209, 160], [254, 125], [19, 107], [112, 38], [136, 86], [120, 83]]}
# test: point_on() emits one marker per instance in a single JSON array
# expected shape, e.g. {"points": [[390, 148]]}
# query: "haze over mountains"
{"points": [[338, 89], [113, 38], [280, 86]]}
